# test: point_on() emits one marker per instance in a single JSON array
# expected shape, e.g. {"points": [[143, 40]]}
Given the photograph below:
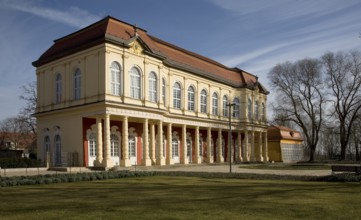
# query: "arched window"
{"points": [[215, 104], [236, 108], [132, 150], [114, 145], [153, 87], [115, 79], [135, 83], [58, 88], [224, 106], [77, 84], [204, 101], [249, 109], [92, 142], [263, 116], [177, 95], [191, 98], [256, 110], [164, 90]]}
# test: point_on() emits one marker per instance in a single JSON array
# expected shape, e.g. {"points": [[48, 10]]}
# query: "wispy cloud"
{"points": [[72, 16]]}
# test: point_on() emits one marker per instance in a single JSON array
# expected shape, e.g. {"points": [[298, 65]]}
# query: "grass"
{"points": [[162, 197], [283, 166]]}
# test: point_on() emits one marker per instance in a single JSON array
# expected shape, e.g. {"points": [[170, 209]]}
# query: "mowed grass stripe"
{"points": [[162, 197]]}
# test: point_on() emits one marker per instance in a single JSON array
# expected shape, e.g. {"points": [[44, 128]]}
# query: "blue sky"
{"points": [[253, 35]]}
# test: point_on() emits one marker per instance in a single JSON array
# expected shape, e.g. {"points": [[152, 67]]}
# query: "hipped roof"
{"points": [[276, 133], [112, 30]]}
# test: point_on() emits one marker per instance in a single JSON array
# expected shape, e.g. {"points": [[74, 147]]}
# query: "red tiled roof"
{"points": [[115, 31], [276, 133]]}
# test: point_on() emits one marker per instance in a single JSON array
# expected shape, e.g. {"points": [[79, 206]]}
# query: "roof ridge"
{"points": [[204, 58]]}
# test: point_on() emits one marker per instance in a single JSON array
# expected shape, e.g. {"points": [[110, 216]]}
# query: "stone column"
{"points": [[152, 144], [246, 149], [107, 162], [253, 156], [184, 145], [209, 145], [169, 157], [197, 158], [219, 146], [125, 149], [160, 158], [260, 155], [239, 144], [265, 148], [146, 160], [99, 159]]}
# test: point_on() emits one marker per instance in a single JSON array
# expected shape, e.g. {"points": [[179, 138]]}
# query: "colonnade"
{"points": [[245, 147]]}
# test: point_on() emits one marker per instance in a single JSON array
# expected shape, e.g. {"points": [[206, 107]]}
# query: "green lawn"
{"points": [[161, 197], [284, 166]]}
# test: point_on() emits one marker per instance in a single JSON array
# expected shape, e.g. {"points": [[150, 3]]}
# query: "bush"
{"points": [[16, 162]]}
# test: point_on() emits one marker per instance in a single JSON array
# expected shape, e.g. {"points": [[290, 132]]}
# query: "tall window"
{"points": [[249, 109], [135, 83], [115, 79], [236, 108], [47, 144], [152, 87], [92, 141], [114, 145], [224, 106], [215, 104], [263, 116], [189, 147], [132, 150], [177, 95], [191, 98], [77, 84], [204, 101], [57, 150], [175, 148], [58, 88], [200, 148], [256, 110], [164, 90]]}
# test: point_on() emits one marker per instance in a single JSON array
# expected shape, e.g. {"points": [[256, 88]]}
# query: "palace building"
{"points": [[113, 95]]}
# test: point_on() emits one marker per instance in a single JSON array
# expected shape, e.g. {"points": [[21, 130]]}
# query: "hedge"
{"points": [[16, 162], [91, 176]]}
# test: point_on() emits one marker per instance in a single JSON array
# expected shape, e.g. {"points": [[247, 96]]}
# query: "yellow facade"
{"points": [[88, 104]]}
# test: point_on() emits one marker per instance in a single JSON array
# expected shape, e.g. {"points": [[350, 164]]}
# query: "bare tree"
{"points": [[26, 113], [300, 97], [15, 132], [343, 77]]}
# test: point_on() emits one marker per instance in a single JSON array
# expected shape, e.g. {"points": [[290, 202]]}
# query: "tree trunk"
{"points": [[312, 153]]}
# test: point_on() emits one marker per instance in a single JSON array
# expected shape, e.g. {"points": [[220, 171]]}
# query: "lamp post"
{"points": [[230, 135]]}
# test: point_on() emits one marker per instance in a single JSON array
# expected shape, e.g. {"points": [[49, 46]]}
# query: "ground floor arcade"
{"points": [[110, 140]]}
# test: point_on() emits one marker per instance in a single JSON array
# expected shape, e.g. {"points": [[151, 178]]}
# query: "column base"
{"points": [[97, 163], [125, 163], [170, 161], [220, 159], [146, 162], [209, 160], [161, 162], [185, 161], [198, 160], [108, 163], [260, 159]]}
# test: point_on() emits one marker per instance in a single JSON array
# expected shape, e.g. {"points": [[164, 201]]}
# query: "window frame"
{"points": [[177, 95], [135, 83], [77, 84], [215, 103], [191, 98], [115, 79], [153, 87], [203, 101], [58, 88]]}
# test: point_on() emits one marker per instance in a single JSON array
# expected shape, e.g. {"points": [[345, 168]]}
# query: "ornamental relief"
{"points": [[136, 48]]}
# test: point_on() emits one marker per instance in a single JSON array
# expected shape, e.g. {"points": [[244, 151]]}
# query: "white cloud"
{"points": [[72, 16]]}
